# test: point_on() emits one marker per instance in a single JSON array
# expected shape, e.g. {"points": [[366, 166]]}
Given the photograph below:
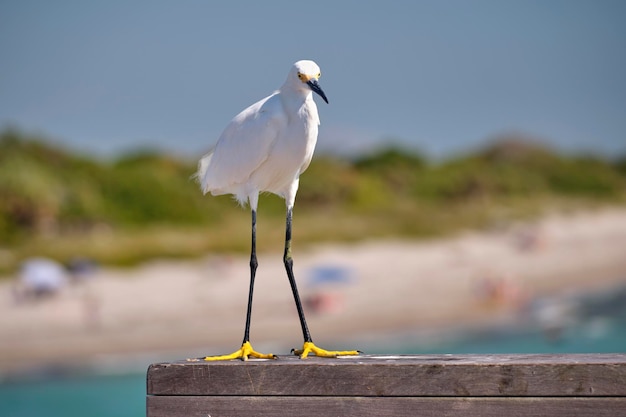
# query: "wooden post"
{"points": [[393, 385]]}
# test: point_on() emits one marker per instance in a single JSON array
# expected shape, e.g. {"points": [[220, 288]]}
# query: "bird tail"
{"points": [[200, 175]]}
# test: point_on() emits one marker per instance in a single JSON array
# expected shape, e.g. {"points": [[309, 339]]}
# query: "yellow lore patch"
{"points": [[307, 77]]}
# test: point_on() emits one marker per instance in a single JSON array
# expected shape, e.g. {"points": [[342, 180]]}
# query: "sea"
{"points": [[587, 323]]}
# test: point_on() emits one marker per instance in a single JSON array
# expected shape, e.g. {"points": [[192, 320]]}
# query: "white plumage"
{"points": [[268, 145], [265, 148]]}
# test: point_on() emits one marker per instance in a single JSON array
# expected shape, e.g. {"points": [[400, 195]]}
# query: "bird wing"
{"points": [[242, 147]]}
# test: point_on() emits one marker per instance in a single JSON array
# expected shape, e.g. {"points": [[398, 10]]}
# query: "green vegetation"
{"points": [[59, 204]]}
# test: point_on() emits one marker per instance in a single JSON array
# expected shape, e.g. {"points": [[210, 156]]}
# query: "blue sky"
{"points": [[441, 76]]}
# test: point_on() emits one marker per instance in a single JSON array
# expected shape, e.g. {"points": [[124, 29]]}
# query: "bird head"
{"points": [[305, 75]]}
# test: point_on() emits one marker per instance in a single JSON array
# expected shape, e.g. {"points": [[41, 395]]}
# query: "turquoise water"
{"points": [[87, 395], [592, 323], [595, 324]]}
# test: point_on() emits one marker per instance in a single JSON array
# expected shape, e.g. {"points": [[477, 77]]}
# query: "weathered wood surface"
{"points": [[384, 407], [385, 385], [406, 375]]}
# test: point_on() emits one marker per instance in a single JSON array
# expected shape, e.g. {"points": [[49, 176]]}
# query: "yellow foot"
{"points": [[309, 347], [243, 353]]}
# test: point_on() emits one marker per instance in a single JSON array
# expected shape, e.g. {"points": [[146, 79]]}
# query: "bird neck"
{"points": [[295, 98]]}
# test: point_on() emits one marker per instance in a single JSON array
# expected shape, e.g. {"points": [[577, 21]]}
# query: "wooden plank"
{"points": [[404, 375], [381, 407]]}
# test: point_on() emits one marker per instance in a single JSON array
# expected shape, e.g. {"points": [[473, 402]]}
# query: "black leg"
{"points": [[288, 260], [253, 266], [246, 349]]}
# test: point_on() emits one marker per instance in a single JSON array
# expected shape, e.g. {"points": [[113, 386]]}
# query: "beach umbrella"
{"points": [[41, 275]]}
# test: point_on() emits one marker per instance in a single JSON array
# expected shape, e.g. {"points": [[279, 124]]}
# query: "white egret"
{"points": [[265, 148]]}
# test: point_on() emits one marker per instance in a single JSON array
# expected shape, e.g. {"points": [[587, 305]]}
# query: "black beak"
{"points": [[316, 88]]}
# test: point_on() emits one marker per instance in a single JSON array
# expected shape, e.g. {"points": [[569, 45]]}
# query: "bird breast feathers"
{"points": [[243, 146]]}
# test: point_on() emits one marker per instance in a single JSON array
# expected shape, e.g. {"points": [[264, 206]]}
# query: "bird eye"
{"points": [[319, 74], [300, 76]]}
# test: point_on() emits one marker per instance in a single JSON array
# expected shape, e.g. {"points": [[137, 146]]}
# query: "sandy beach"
{"points": [[378, 289]]}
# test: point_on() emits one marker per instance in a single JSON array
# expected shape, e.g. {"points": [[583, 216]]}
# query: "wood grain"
{"points": [[398, 376], [385, 406]]}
